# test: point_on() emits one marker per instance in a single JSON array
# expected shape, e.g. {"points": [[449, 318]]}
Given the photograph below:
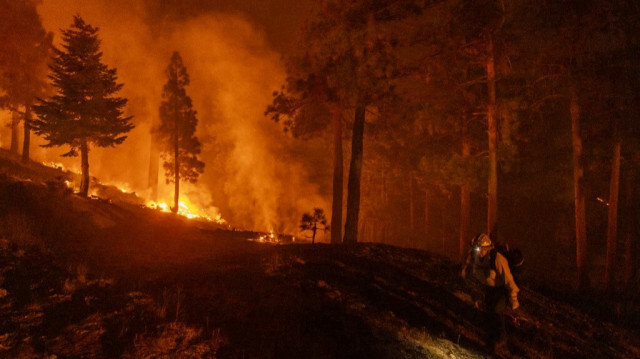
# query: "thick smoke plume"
{"points": [[254, 175]]}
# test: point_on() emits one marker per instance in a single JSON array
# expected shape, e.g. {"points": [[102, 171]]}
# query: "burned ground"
{"points": [[100, 278]]}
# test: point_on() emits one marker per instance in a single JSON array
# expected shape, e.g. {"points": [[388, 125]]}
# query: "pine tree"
{"points": [[23, 64], [345, 67], [177, 129], [85, 110], [314, 222]]}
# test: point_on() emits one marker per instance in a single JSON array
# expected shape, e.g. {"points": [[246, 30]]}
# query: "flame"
{"points": [[269, 238], [185, 208], [185, 211], [60, 166]]}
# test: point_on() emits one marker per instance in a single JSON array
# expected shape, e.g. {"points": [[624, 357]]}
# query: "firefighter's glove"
{"points": [[514, 303]]}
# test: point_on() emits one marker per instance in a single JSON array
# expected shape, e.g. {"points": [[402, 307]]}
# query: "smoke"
{"points": [[254, 175]]}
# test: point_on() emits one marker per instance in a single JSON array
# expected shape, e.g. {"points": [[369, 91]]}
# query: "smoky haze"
{"points": [[255, 177]]}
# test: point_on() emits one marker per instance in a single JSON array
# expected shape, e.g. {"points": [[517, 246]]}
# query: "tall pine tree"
{"points": [[85, 110], [23, 64], [177, 129]]}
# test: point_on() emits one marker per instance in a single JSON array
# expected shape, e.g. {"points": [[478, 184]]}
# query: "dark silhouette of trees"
{"points": [[306, 105], [539, 95], [23, 64], [84, 111], [578, 59], [345, 66], [177, 129], [314, 222]]}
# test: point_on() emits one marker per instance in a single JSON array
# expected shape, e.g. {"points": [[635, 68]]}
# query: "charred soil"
{"points": [[101, 278]]}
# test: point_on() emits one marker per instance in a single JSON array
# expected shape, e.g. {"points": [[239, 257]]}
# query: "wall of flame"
{"points": [[251, 177]]}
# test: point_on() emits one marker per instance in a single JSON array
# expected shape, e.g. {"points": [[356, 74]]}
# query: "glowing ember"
{"points": [[266, 238]]}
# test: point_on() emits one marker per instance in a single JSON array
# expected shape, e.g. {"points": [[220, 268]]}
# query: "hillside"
{"points": [[110, 278]]}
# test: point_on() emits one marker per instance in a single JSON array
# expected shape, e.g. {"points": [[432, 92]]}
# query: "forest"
{"points": [[517, 113], [372, 133]]}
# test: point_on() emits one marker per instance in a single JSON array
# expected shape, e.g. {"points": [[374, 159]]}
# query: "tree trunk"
{"points": [[15, 131], [336, 205], [176, 156], [154, 159], [492, 191], [443, 227], [612, 219], [371, 232], [84, 158], [426, 213], [411, 207], [313, 236], [176, 170], [578, 187], [629, 217], [26, 141], [379, 216], [465, 199], [355, 171]]}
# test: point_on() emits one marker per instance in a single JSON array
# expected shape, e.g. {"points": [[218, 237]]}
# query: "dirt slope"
{"points": [[94, 278]]}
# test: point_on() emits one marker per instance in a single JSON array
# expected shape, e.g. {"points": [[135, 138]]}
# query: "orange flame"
{"points": [[185, 207], [185, 211]]}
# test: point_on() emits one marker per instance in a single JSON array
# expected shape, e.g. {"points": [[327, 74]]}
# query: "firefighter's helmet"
{"points": [[482, 240]]}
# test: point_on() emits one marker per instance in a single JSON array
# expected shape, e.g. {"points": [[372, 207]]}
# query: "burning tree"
{"points": [[177, 129], [85, 109], [314, 222]]}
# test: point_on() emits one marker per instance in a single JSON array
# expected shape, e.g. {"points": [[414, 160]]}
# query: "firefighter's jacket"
{"points": [[499, 277]]}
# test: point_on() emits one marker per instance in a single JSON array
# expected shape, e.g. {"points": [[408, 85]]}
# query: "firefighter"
{"points": [[491, 269]]}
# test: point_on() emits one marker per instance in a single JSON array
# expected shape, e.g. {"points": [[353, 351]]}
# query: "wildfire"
{"points": [[60, 166], [272, 238], [122, 187], [184, 210], [266, 238]]}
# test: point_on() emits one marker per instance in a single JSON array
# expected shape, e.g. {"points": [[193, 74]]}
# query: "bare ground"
{"points": [[98, 278]]}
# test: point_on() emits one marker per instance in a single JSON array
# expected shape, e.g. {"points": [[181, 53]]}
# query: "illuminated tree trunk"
{"points": [[336, 206], [612, 220], [84, 159], [371, 231], [382, 221], [443, 227], [26, 141], [154, 159], [411, 206], [465, 199], [578, 188], [177, 129], [427, 195], [492, 191], [628, 241], [15, 131], [355, 171], [176, 166]]}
